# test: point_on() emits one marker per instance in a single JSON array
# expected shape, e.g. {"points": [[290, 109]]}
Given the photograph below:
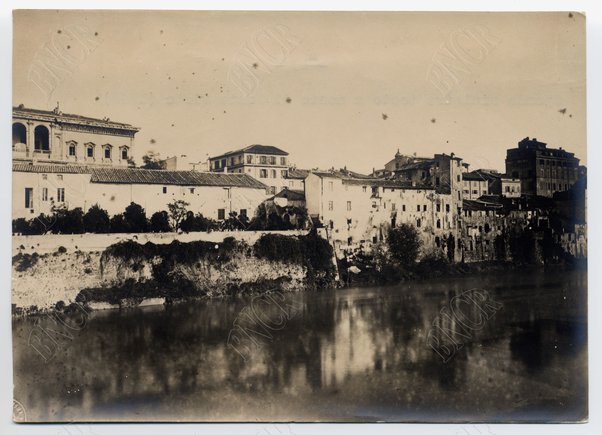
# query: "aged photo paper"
{"points": [[299, 217]]}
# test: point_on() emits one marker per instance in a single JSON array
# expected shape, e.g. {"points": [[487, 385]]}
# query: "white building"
{"points": [[359, 211], [265, 163], [36, 188]]}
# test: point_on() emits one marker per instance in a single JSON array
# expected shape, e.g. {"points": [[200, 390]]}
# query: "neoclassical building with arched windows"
{"points": [[50, 136]]}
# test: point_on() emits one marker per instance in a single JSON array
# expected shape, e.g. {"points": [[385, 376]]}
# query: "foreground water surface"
{"points": [[357, 354]]}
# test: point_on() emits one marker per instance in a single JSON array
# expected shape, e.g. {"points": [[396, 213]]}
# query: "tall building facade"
{"points": [[541, 170], [265, 163]]}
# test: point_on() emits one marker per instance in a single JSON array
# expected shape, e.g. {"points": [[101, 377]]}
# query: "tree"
{"points": [[404, 244], [68, 221], [236, 222], [135, 218], [97, 220], [177, 212], [196, 222], [152, 160], [159, 222], [118, 224], [21, 226]]}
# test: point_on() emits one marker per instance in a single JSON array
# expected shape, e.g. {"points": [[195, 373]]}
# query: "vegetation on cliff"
{"points": [[179, 270]]}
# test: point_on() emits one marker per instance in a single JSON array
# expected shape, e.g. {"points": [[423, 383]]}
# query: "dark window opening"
{"points": [[19, 133], [41, 138]]}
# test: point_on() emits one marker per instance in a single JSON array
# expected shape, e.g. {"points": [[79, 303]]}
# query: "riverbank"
{"points": [[128, 273]]}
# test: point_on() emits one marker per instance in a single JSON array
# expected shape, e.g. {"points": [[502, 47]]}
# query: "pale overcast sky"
{"points": [[332, 89]]}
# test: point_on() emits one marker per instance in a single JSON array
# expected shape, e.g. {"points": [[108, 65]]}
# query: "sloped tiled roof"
{"points": [[182, 178], [51, 115], [293, 195], [146, 176], [51, 169], [298, 174], [256, 149]]}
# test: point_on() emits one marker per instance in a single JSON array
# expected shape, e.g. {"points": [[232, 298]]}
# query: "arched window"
{"points": [[19, 133], [90, 150], [124, 153], [41, 138], [107, 149], [72, 148]]}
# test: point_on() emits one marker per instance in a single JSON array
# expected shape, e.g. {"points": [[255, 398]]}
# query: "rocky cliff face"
{"points": [[128, 273]]}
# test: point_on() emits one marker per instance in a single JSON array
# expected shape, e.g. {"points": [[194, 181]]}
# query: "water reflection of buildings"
{"points": [[354, 347]]}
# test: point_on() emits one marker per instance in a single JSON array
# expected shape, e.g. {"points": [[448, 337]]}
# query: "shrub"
{"points": [[135, 218], [21, 226], [159, 222], [197, 222], [68, 221], [118, 224], [96, 220], [22, 262], [404, 244]]}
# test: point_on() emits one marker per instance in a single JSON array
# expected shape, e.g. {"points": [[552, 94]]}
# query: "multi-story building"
{"points": [[358, 212], [50, 136], [265, 163], [541, 170], [489, 182], [474, 185]]}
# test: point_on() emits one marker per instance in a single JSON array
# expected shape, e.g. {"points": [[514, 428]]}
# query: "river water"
{"points": [[356, 354]]}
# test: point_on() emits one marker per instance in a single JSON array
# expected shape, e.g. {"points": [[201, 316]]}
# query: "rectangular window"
{"points": [[124, 153], [424, 207], [393, 206], [107, 153], [418, 223], [29, 197], [263, 160], [263, 173], [403, 207], [273, 173], [249, 159], [348, 205], [364, 188], [272, 160], [90, 152], [72, 150], [221, 213], [164, 189], [438, 207], [283, 173], [192, 190], [60, 194], [447, 208], [44, 194], [330, 205], [283, 160], [418, 207]]}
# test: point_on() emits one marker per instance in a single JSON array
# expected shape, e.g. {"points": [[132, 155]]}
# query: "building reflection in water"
{"points": [[345, 351]]}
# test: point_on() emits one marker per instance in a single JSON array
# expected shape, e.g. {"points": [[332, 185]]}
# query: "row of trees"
{"points": [[177, 217]]}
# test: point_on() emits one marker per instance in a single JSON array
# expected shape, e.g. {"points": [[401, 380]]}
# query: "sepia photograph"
{"points": [[290, 217]]}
